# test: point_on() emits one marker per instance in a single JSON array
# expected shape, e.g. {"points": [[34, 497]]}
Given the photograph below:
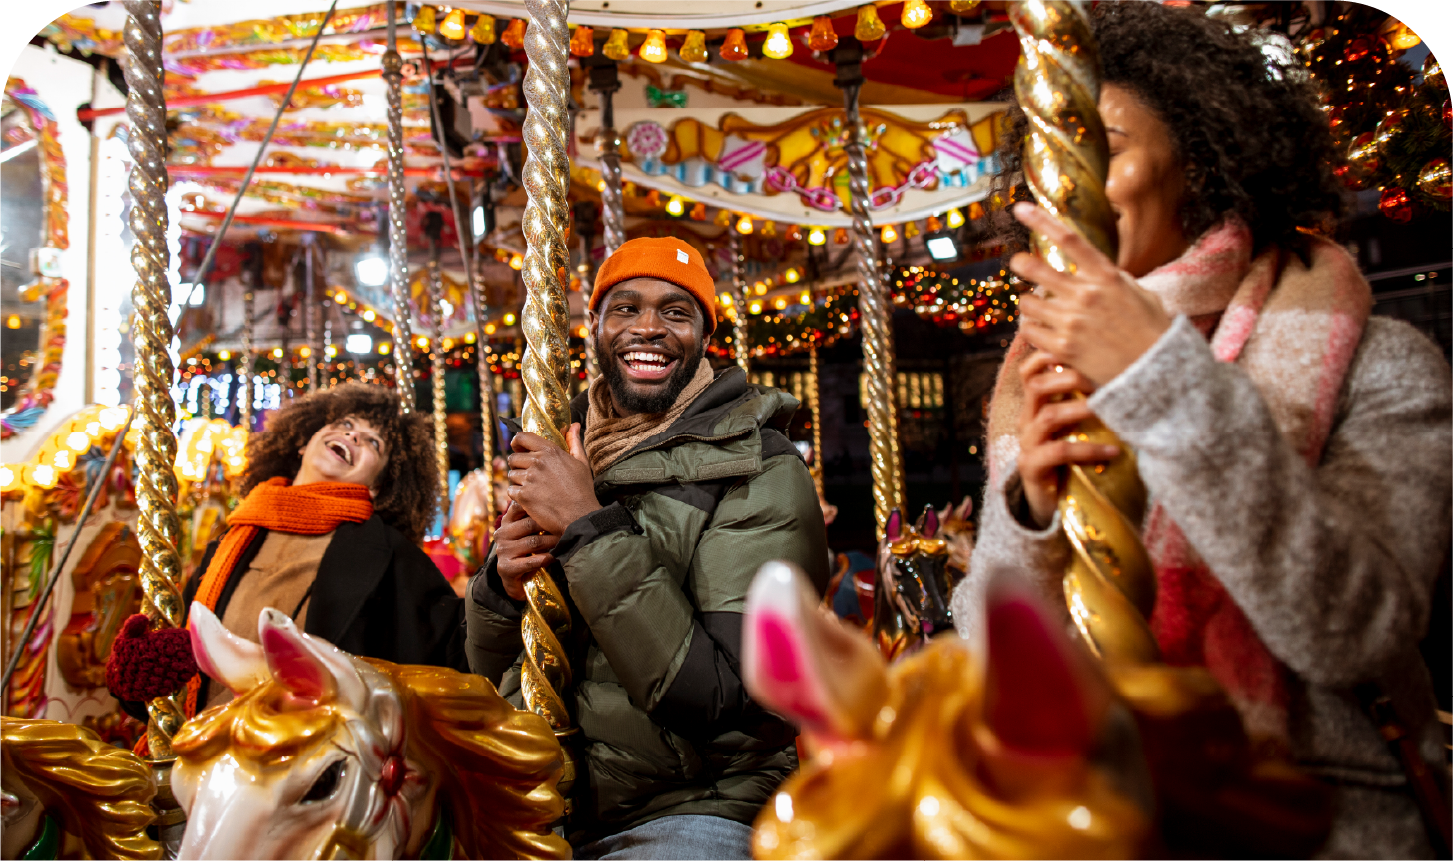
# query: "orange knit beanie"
{"points": [[667, 258]]}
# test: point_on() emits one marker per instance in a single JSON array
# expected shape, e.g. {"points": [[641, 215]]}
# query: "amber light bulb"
{"points": [[693, 50], [452, 27], [817, 236], [822, 37], [955, 218], [514, 34], [483, 30], [617, 47], [735, 46], [582, 42], [916, 13], [424, 20], [653, 50], [890, 235], [744, 225], [869, 27], [779, 44]]}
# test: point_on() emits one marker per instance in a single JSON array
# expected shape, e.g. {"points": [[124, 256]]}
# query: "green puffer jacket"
{"points": [[659, 577]]}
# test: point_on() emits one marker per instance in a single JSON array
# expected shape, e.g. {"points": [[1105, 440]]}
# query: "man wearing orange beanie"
{"points": [[679, 484]]}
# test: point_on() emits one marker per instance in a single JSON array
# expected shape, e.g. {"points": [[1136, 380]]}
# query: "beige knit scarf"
{"points": [[609, 436]]}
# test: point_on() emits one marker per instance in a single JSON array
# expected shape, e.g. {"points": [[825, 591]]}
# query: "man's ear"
{"points": [[590, 320]]}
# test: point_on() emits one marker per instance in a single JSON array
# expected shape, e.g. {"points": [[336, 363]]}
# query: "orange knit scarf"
{"points": [[312, 509]]}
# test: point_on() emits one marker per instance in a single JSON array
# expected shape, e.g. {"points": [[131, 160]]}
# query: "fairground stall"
{"points": [[213, 208]]}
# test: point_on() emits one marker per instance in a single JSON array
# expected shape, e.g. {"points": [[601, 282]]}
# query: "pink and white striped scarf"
{"points": [[1294, 329]]}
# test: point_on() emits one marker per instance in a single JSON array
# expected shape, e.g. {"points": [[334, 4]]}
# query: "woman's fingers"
{"points": [[1087, 257], [1036, 271], [1047, 458], [1054, 418]]}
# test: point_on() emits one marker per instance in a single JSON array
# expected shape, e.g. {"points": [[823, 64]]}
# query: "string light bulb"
{"points": [[735, 46], [779, 44], [817, 236], [822, 37], [889, 234], [582, 42], [916, 13], [869, 27], [653, 50], [617, 47], [452, 27], [955, 218], [424, 20], [676, 205], [693, 50], [483, 30], [514, 34], [744, 225]]}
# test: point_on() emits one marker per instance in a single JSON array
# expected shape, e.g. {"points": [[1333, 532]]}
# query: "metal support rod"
{"points": [[38, 606], [877, 313], [546, 673], [245, 360], [310, 314], [211, 254], [741, 350], [157, 527], [1110, 584], [398, 238]]}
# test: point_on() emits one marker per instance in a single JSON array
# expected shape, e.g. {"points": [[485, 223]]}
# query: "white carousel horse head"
{"points": [[320, 750]]}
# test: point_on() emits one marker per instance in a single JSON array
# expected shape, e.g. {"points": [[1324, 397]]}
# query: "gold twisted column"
{"points": [[877, 326], [310, 315], [157, 527], [545, 677], [814, 407], [741, 350], [244, 366], [436, 377], [1110, 584], [613, 205], [398, 239]]}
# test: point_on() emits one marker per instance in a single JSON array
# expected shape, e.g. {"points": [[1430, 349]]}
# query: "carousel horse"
{"points": [[956, 529], [1028, 750], [322, 754], [911, 601], [68, 794]]}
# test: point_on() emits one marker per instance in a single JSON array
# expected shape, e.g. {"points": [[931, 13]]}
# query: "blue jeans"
{"points": [[687, 837]]}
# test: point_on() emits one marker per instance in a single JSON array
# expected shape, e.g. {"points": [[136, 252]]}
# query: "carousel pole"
{"points": [[814, 407], [310, 313], [605, 81], [877, 325], [398, 239], [740, 348], [546, 675], [433, 229], [244, 365], [1110, 585]]}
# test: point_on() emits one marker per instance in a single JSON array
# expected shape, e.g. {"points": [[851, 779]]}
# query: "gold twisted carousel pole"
{"points": [[158, 528], [877, 314], [741, 350], [244, 366], [398, 238], [814, 407], [1110, 584], [436, 377], [546, 677]]}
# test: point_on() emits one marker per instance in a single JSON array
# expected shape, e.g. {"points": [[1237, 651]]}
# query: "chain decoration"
{"points": [[740, 348], [1110, 585], [877, 324], [158, 528], [398, 237], [921, 175]]}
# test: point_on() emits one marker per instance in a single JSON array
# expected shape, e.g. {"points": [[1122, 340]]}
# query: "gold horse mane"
{"points": [[497, 766], [102, 794]]}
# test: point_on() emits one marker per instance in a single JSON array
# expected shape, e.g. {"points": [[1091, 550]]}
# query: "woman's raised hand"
{"points": [[1097, 320], [1050, 410]]}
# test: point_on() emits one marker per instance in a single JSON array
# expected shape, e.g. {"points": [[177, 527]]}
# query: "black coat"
{"points": [[376, 595]]}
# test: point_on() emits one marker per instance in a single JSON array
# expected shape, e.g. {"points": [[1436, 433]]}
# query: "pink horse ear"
{"points": [[804, 664], [930, 522], [1044, 695], [895, 526], [222, 655], [309, 667]]}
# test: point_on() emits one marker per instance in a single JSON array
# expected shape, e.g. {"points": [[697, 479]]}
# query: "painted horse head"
{"points": [[958, 531], [321, 752], [68, 794], [1028, 749], [914, 585]]}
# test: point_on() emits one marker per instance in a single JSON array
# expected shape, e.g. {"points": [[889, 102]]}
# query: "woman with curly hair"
{"points": [[1296, 449], [337, 494]]}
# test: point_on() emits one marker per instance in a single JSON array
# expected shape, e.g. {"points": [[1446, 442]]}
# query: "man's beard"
{"points": [[660, 399]]}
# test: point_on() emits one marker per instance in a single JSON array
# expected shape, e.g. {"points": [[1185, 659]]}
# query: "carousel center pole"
{"points": [[398, 238], [1110, 584], [883, 446], [157, 527], [741, 350], [545, 676]]}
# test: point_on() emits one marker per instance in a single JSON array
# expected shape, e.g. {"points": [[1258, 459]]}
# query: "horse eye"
{"points": [[325, 784]]}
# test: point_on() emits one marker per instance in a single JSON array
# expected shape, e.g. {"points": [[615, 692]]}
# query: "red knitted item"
{"points": [[146, 664]]}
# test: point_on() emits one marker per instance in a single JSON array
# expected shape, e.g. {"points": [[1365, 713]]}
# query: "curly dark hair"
{"points": [[1252, 139], [407, 490]]}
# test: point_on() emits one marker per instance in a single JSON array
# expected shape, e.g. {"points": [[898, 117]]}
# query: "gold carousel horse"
{"points": [[1028, 750], [68, 794], [322, 754]]}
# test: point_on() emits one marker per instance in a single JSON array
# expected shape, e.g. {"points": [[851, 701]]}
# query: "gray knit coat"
{"points": [[1333, 565]]}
